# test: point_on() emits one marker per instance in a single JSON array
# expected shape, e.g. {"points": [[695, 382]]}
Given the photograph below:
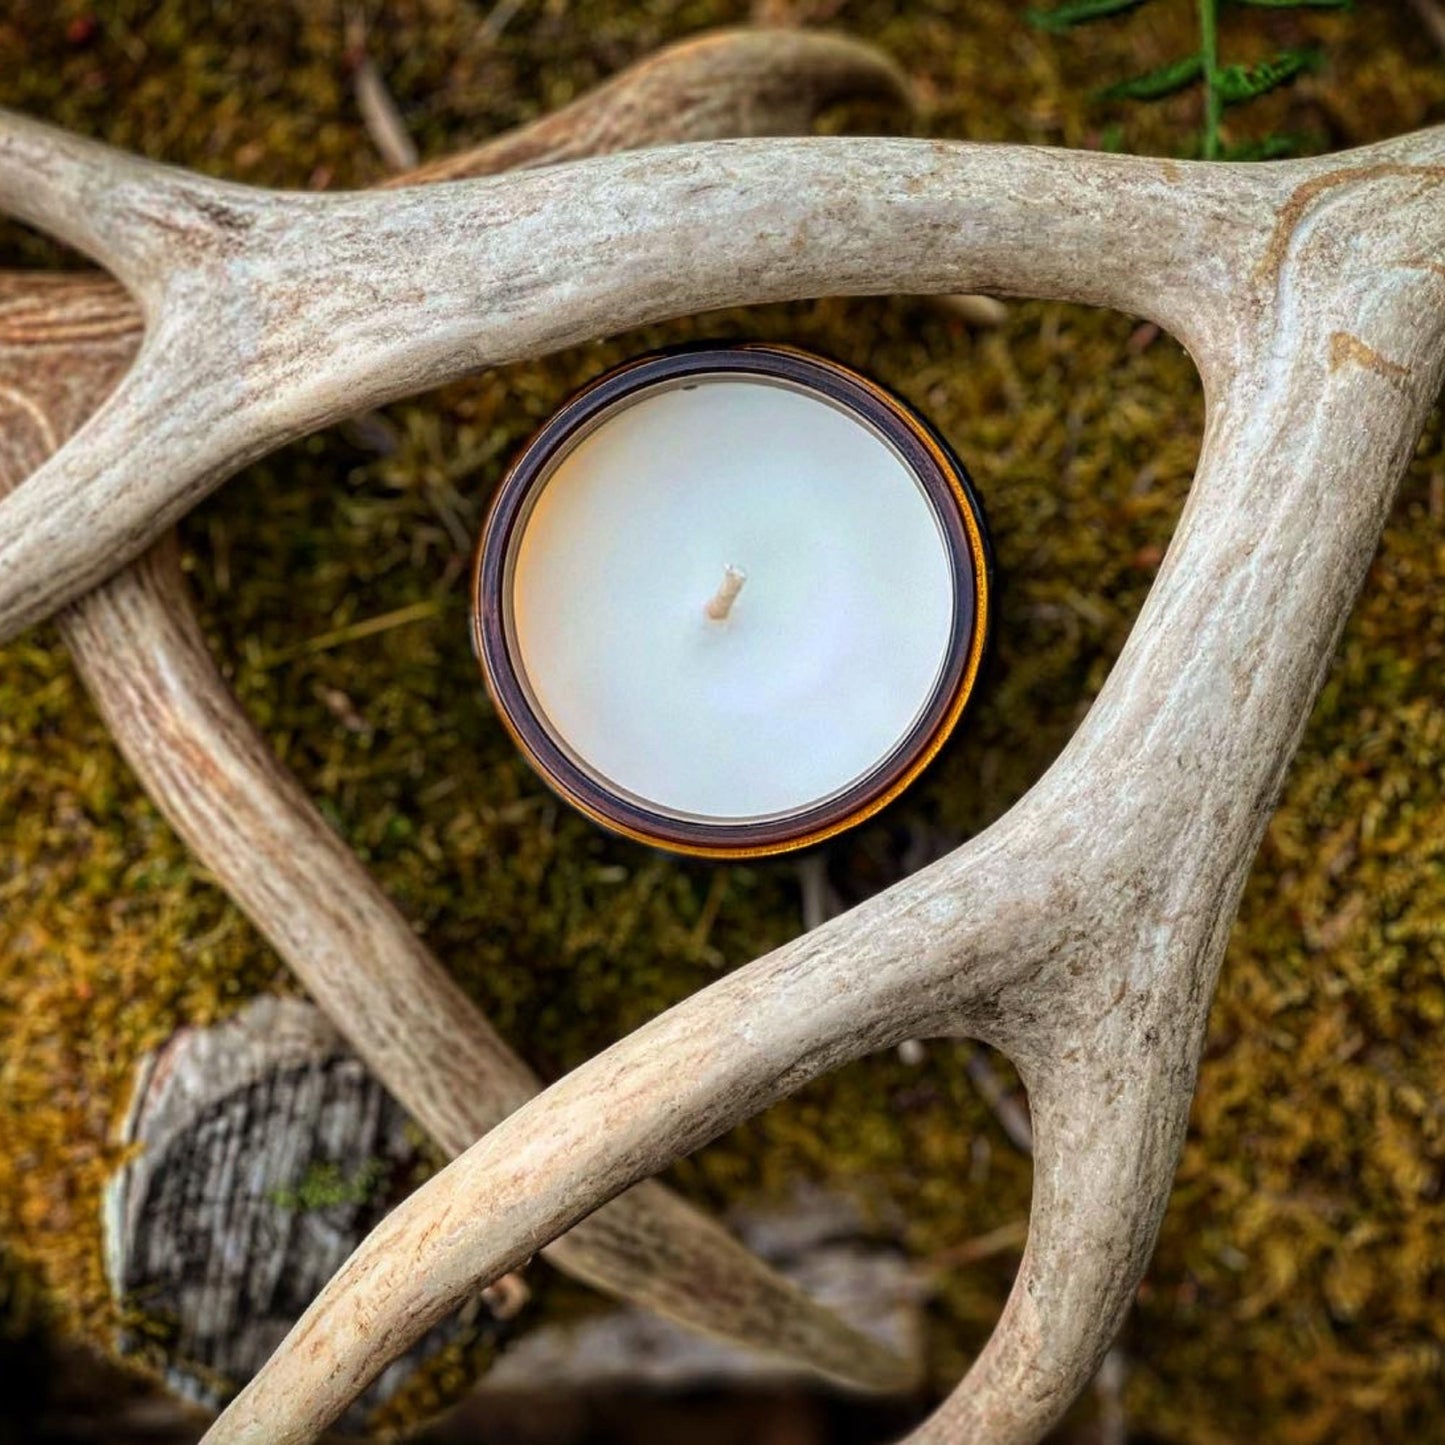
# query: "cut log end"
{"points": [[266, 1153]]}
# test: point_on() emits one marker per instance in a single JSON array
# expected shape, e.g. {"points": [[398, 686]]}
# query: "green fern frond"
{"points": [[1156, 84], [1223, 85], [1239, 83], [1079, 12]]}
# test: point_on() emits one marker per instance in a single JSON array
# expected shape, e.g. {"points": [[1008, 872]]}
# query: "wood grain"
{"points": [[267, 1151]]}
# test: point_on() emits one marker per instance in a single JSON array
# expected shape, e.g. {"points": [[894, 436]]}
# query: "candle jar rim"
{"points": [[935, 469]]}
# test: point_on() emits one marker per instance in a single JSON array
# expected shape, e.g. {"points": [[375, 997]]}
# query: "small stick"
{"points": [[985, 1246], [723, 599], [1013, 1118], [499, 18], [819, 897], [975, 310], [1113, 1424], [378, 109]]}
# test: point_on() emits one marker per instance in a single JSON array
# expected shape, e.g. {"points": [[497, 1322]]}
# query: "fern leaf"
{"points": [[1156, 84], [1238, 83], [1079, 12]]}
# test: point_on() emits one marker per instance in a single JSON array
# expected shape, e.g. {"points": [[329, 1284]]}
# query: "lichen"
{"points": [[1297, 1294]]}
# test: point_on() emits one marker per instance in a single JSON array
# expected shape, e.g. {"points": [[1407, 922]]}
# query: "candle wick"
{"points": [[723, 599]]}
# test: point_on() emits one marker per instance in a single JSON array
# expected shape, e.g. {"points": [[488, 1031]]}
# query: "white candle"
{"points": [[731, 600]]}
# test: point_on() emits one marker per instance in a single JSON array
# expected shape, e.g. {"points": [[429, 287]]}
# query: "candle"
{"points": [[731, 600]]}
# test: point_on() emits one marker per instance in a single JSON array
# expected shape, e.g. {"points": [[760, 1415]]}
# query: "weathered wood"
{"points": [[266, 1151], [64, 342]]}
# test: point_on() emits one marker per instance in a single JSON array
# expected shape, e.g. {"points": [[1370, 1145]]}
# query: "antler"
{"points": [[1081, 933], [269, 315], [65, 341]]}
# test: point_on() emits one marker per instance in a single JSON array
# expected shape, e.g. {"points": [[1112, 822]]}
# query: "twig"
{"points": [[975, 310], [499, 18], [1109, 1388], [708, 915], [984, 1246], [820, 898], [1209, 53], [379, 111], [356, 631], [1012, 1117]]}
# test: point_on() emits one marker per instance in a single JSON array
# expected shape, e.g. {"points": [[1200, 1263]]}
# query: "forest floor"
{"points": [[1298, 1294]]}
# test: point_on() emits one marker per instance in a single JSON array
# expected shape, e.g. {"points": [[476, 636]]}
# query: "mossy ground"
{"points": [[1298, 1294]]}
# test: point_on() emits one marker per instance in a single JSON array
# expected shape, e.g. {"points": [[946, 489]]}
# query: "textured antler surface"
{"points": [[1082, 932], [64, 343], [268, 316]]}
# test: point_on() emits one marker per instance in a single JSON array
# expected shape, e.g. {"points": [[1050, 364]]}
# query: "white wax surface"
{"points": [[831, 651]]}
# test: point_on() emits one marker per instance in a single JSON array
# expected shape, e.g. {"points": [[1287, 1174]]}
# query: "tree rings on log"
{"points": [[266, 1153]]}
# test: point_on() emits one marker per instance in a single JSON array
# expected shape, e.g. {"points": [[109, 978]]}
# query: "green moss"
{"points": [[325, 1185], [1297, 1293]]}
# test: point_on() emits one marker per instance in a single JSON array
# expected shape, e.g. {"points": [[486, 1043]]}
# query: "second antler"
{"points": [[65, 342]]}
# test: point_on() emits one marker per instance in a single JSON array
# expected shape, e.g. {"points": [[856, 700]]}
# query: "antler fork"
{"points": [[1083, 931]]}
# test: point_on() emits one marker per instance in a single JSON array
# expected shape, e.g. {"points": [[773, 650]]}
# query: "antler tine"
{"points": [[286, 312], [1083, 932], [64, 343], [1083, 929], [915, 960], [124, 211], [129, 213], [982, 943], [1104, 1155], [737, 83], [665, 1090]]}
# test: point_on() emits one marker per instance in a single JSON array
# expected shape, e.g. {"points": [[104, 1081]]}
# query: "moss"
{"points": [[1297, 1294], [325, 1185], [427, 1392]]}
